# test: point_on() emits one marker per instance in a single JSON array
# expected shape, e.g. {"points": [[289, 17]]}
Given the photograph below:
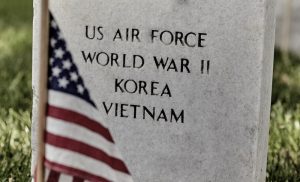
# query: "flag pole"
{"points": [[42, 89]]}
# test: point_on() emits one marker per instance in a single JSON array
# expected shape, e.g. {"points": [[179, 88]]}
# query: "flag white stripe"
{"points": [[76, 132], [84, 163], [73, 103], [47, 172], [65, 178]]}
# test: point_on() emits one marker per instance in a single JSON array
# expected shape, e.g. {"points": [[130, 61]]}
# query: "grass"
{"points": [[15, 102], [15, 145], [284, 142], [15, 89], [15, 54]]}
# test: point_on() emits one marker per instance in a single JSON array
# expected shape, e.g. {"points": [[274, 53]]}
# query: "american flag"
{"points": [[78, 144]]}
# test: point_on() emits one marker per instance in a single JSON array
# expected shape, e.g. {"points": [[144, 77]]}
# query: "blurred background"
{"points": [[15, 93]]}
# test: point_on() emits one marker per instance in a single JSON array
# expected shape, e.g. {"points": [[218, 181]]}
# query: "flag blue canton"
{"points": [[63, 74]]}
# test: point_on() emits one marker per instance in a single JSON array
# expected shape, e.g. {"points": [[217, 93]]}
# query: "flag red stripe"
{"points": [[79, 119], [53, 176], [74, 172], [85, 149], [77, 179]]}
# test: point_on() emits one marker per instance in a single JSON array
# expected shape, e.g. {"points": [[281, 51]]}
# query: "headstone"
{"points": [[184, 85], [288, 25]]}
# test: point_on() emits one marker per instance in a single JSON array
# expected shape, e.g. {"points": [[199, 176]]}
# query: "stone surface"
{"points": [[224, 133]]}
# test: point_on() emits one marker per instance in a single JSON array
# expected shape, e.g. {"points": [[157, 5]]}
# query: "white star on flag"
{"points": [[53, 42], [56, 71], [53, 24], [74, 76], [63, 82], [67, 64], [51, 61], [80, 89], [59, 53]]}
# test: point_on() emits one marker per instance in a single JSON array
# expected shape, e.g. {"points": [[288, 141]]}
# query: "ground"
{"points": [[15, 101]]}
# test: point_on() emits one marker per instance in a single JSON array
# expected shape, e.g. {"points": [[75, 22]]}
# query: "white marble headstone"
{"points": [[203, 116], [288, 14]]}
